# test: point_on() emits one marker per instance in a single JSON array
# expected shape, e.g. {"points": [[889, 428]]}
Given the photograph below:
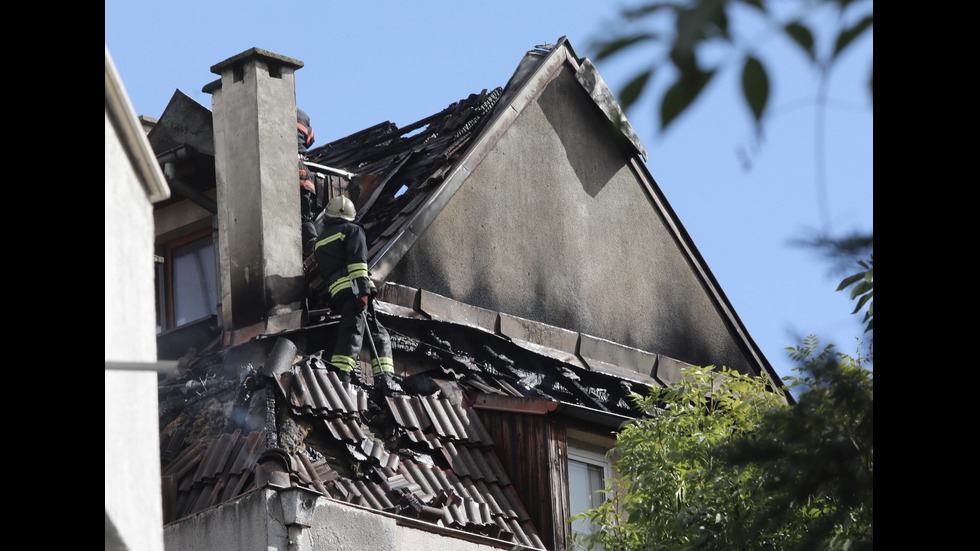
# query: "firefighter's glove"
{"points": [[363, 301]]}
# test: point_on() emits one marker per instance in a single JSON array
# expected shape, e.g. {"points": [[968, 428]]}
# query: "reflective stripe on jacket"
{"points": [[341, 255]]}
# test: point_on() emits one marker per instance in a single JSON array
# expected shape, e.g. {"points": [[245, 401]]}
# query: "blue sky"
{"points": [[742, 200]]}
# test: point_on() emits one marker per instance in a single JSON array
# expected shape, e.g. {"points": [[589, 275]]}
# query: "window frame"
{"points": [[582, 454], [165, 292]]}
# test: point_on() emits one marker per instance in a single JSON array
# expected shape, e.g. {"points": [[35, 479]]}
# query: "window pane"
{"points": [[584, 483], [194, 281]]}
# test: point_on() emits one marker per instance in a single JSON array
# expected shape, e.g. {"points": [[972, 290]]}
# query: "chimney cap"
{"points": [[270, 57]]}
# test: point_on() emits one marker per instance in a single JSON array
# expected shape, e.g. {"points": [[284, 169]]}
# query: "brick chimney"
{"points": [[259, 249]]}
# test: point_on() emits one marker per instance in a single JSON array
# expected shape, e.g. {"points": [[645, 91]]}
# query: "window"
{"points": [[186, 289], [587, 474]]}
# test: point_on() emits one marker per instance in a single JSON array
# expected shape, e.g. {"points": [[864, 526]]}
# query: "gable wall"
{"points": [[554, 226]]}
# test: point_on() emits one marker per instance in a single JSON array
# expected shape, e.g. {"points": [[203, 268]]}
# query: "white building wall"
{"points": [[133, 505]]}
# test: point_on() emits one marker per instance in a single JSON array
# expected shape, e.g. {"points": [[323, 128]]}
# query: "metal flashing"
{"points": [[594, 349], [400, 295], [440, 307], [550, 340], [669, 370]]}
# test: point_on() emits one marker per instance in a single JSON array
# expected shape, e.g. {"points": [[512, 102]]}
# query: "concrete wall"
{"points": [[254, 111], [554, 226], [132, 451], [255, 522], [250, 523]]}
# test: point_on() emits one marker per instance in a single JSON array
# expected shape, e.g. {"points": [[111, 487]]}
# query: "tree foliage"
{"points": [[862, 289], [719, 463], [672, 491], [688, 43], [691, 41], [817, 458]]}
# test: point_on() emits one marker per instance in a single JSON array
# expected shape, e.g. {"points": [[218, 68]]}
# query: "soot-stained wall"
{"points": [[555, 226]]}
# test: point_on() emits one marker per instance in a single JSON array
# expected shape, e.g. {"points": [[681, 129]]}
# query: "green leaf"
{"points": [[680, 95], [685, 59], [633, 89], [755, 86], [608, 48], [861, 302], [698, 21], [643, 11], [757, 4], [850, 280], [720, 20], [803, 38], [849, 35], [861, 288]]}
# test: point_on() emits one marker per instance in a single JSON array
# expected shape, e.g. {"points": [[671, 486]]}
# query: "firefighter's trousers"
{"points": [[350, 336]]}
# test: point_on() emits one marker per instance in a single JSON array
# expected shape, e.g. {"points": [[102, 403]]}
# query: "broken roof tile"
{"points": [[482, 465], [478, 433], [440, 420], [414, 473], [344, 430], [403, 411], [217, 456]]}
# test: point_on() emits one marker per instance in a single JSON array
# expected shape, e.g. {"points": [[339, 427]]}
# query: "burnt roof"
{"points": [[424, 454], [397, 168]]}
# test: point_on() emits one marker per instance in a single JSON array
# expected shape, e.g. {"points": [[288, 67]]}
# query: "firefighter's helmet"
{"points": [[340, 207]]}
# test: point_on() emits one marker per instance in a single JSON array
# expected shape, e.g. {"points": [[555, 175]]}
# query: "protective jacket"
{"points": [[310, 191], [304, 132], [341, 256]]}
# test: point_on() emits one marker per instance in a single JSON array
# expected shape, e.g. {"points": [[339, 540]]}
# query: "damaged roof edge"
{"points": [[524, 86], [590, 79], [517, 95], [579, 349], [422, 525], [588, 76], [543, 406]]}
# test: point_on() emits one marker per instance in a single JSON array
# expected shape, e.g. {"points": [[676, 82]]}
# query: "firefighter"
{"points": [[341, 256], [307, 182]]}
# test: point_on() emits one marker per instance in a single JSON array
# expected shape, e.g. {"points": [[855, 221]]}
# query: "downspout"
{"points": [[297, 505]]}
